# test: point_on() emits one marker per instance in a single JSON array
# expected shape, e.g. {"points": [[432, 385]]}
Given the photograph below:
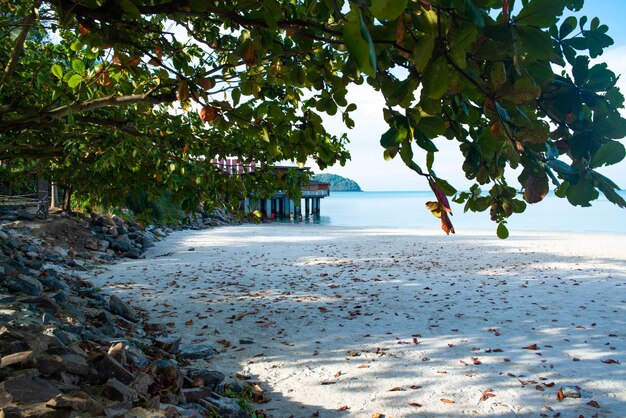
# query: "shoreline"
{"points": [[280, 289]]}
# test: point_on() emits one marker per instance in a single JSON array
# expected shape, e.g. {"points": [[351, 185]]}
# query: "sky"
{"points": [[368, 167]]}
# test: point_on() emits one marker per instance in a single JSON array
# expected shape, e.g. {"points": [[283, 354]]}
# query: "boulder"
{"points": [[27, 389], [123, 309], [204, 377], [121, 243], [17, 359], [80, 402], [107, 367], [24, 284], [118, 391], [196, 351], [169, 344]]}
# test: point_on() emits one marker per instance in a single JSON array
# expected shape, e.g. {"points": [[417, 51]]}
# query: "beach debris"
{"points": [[487, 393], [415, 404], [396, 389], [610, 361], [531, 347], [343, 408], [593, 404], [446, 400], [568, 392]]}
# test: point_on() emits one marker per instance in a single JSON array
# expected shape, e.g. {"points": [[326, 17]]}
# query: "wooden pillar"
{"points": [[54, 195], [306, 207], [43, 197]]}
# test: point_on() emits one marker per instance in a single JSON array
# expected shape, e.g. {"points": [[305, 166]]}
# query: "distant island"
{"points": [[338, 183]]}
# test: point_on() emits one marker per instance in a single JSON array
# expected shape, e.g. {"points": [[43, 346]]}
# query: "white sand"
{"points": [[309, 295]]}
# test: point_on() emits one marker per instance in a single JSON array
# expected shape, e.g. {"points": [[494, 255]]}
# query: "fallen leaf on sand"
{"points": [[444, 400], [487, 393], [338, 374], [559, 395], [189, 322], [416, 404], [378, 415], [594, 404], [610, 361], [531, 347], [539, 388], [396, 389], [327, 382], [414, 387], [363, 366], [343, 408], [225, 343]]}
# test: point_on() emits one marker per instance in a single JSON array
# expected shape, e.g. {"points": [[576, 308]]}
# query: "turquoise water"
{"points": [[406, 209]]}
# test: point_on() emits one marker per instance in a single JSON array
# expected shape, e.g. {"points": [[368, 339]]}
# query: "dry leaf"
{"points": [[539, 388], [338, 374], [610, 361], [559, 395], [328, 382], [189, 322], [594, 404], [378, 415], [396, 389], [531, 347], [363, 366], [416, 404], [487, 393], [343, 408], [444, 400]]}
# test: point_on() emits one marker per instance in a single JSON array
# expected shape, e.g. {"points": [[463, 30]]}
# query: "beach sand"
{"points": [[396, 321]]}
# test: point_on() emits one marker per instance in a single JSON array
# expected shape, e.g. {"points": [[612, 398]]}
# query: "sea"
{"points": [[407, 209]]}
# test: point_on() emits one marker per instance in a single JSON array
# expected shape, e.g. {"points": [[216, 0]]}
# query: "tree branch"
{"points": [[19, 44], [87, 106]]}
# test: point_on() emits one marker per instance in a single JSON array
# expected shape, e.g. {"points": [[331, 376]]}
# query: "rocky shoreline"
{"points": [[68, 350]]}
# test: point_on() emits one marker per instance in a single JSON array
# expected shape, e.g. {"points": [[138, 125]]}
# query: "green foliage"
{"points": [[118, 98], [160, 209]]}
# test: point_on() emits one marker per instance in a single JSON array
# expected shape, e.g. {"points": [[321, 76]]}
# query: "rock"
{"points": [[141, 384], [49, 365], [78, 402], [167, 373], [63, 337], [197, 351], [121, 243], [224, 407], [155, 327], [75, 364], [195, 394], [118, 352], [169, 344], [27, 389], [34, 411], [208, 378], [136, 357], [13, 341], [24, 284], [123, 309], [146, 413], [20, 359], [108, 367], [118, 410], [133, 253], [570, 392], [117, 391]]}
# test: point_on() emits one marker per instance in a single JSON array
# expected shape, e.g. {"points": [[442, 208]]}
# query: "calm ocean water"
{"points": [[406, 209]]}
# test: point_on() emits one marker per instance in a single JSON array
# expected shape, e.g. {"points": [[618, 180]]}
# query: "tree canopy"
{"points": [[114, 96]]}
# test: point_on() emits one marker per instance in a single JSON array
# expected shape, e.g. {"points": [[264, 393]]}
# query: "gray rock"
{"points": [[78, 402], [196, 351], [49, 365], [204, 377], [27, 389], [224, 407], [118, 391], [169, 344], [123, 309], [136, 357], [121, 243], [570, 392], [63, 337], [141, 384], [195, 394], [107, 367], [155, 327], [24, 284], [133, 253], [75, 364]]}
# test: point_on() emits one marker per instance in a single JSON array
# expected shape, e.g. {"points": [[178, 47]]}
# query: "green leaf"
{"points": [[502, 231], [359, 42], [74, 80], [435, 80], [541, 13], [474, 13], [130, 8], [388, 9], [536, 43], [582, 192], [568, 26], [430, 159], [78, 66], [57, 71], [612, 152], [394, 136]]}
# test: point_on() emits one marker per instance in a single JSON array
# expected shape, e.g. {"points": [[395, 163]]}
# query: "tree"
{"points": [[115, 95]]}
